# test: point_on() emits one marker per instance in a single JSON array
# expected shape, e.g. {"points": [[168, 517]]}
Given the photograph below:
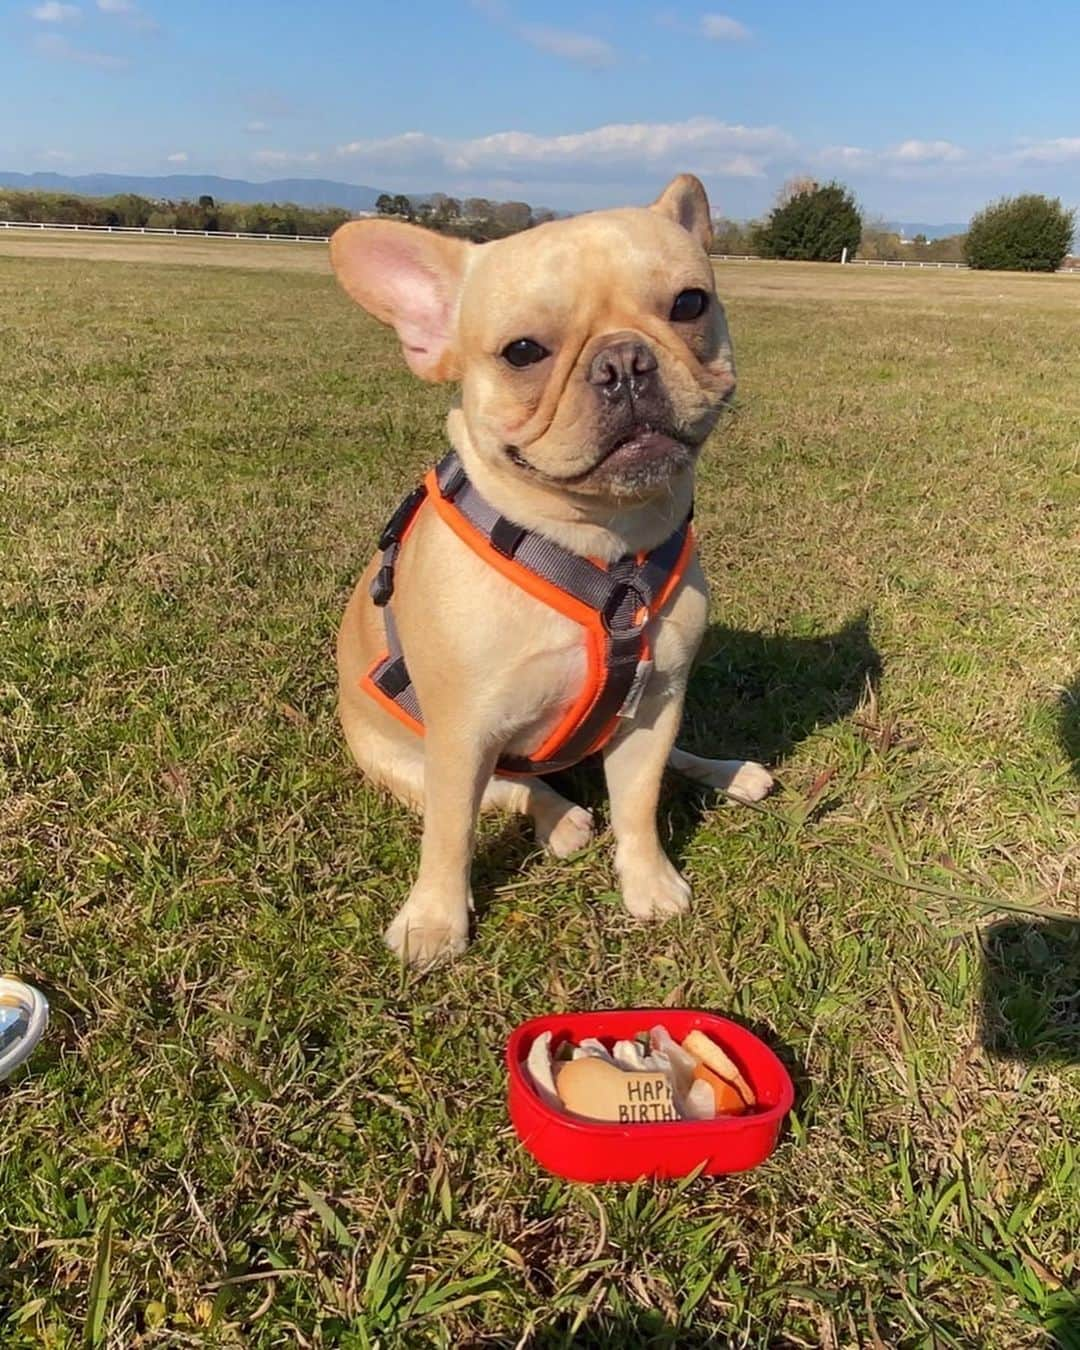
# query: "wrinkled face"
{"points": [[593, 353]]}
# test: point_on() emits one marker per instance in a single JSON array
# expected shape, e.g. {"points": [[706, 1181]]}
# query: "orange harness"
{"points": [[612, 604]]}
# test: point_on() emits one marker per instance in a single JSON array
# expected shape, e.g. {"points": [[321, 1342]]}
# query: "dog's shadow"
{"points": [[757, 695], [752, 696], [1031, 1015]]}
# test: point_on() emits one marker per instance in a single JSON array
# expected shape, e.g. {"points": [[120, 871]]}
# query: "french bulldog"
{"points": [[594, 360]]}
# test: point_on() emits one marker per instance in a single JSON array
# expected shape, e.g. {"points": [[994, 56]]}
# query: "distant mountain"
{"points": [[185, 186], [909, 229]]}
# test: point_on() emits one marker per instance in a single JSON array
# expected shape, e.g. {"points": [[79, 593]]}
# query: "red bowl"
{"points": [[593, 1150]]}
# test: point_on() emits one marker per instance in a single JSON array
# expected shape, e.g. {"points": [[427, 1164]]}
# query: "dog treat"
{"points": [[591, 1048], [699, 1103], [602, 1091], [630, 1056], [647, 1078], [538, 1067], [636, 1055], [726, 1098], [682, 1064], [712, 1057]]}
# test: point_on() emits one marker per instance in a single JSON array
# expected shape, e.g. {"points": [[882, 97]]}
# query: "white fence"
{"points": [[323, 239], [146, 229], [851, 262]]}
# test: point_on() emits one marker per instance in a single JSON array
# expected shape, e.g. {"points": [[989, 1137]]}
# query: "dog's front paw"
{"points": [[424, 934], [653, 891], [572, 831]]}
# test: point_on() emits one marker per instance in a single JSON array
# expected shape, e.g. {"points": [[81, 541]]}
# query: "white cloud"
{"points": [[1057, 150], [59, 156], [723, 28], [904, 160], [629, 161], [52, 11], [925, 152], [849, 156], [115, 6], [622, 151], [286, 157], [578, 48], [179, 157]]}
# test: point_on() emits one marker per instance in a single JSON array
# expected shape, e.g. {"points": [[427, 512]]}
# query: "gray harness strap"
{"points": [[623, 596]]}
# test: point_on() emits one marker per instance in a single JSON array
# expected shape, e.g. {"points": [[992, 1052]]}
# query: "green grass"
{"points": [[247, 1124]]}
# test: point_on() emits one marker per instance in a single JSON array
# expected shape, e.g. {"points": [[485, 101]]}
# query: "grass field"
{"points": [[247, 1125]]}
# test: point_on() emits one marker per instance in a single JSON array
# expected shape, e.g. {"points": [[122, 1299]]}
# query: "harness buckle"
{"points": [[393, 678], [506, 537], [395, 527], [382, 586], [451, 483], [620, 593]]}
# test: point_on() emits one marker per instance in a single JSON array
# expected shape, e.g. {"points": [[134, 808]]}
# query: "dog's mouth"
{"points": [[644, 455]]}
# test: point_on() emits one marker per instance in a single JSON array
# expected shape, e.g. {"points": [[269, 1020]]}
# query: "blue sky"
{"points": [[927, 111]]}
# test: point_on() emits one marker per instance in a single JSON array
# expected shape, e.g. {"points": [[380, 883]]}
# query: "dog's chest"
{"points": [[551, 670], [507, 662]]}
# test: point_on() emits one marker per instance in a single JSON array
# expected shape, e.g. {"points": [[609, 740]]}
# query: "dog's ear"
{"points": [[684, 201], [409, 278]]}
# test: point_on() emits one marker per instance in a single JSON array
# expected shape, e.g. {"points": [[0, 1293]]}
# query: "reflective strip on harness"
{"points": [[612, 605]]}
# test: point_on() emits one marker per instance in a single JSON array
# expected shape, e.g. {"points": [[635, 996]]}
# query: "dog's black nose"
{"points": [[623, 368]]}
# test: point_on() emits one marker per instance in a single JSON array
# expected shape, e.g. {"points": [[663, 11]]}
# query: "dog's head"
{"points": [[592, 352]]}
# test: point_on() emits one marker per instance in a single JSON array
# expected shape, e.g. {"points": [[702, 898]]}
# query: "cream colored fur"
{"points": [[492, 667]]}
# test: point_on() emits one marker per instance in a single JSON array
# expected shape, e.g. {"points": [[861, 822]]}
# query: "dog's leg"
{"points": [[398, 764], [561, 827], [433, 924], [634, 765], [741, 779]]}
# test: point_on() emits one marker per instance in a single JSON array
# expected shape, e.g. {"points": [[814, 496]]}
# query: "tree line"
{"points": [[474, 218], [127, 208], [815, 222], [809, 221]]}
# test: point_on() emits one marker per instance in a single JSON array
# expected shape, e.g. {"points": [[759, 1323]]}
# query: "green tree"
{"points": [[513, 216], [127, 209], [1031, 233], [384, 204], [815, 224], [949, 249], [731, 236], [444, 209]]}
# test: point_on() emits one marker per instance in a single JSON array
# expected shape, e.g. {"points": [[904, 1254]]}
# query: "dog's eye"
{"points": [[524, 352], [689, 305]]}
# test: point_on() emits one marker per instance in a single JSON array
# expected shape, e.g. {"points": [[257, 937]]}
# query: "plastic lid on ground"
{"points": [[24, 1015]]}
